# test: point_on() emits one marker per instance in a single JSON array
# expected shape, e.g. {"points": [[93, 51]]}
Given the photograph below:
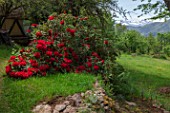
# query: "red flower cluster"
{"points": [[39, 34], [34, 25], [71, 31], [62, 22], [51, 18]]}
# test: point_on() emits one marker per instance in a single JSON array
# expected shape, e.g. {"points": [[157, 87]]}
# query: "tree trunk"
{"points": [[167, 2]]}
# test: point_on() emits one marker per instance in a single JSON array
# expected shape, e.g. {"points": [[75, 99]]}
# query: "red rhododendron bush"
{"points": [[63, 44]]}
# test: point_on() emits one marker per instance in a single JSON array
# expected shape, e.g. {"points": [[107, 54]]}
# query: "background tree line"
{"points": [[131, 41]]}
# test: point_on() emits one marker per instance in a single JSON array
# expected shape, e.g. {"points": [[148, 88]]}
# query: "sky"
{"points": [[129, 5]]}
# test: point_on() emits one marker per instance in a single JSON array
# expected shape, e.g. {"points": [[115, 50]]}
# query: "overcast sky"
{"points": [[129, 5]]}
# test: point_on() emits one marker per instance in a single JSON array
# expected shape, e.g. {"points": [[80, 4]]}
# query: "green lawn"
{"points": [[19, 96], [147, 75], [5, 52]]}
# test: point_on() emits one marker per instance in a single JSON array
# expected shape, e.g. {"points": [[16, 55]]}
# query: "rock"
{"points": [[59, 108], [77, 99], [106, 107], [82, 94], [42, 109], [70, 109], [131, 103], [101, 99], [89, 92], [166, 111], [66, 103], [96, 84], [117, 105]]}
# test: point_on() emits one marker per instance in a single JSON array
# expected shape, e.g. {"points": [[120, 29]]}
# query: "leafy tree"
{"points": [[33, 9], [150, 42], [130, 41], [160, 8]]}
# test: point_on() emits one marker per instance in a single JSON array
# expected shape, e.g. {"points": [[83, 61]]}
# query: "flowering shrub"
{"points": [[63, 44]]}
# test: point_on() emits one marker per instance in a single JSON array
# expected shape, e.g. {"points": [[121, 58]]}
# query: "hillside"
{"points": [[154, 28]]}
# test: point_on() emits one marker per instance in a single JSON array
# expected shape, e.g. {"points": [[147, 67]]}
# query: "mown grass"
{"points": [[19, 96], [147, 75]]}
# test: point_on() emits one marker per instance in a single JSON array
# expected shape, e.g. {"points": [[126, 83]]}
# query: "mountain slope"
{"points": [[154, 28]]}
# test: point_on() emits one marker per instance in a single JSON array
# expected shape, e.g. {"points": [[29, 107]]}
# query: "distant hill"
{"points": [[154, 28]]}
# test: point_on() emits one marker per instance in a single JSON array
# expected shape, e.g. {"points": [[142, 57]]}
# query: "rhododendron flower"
{"points": [[65, 54], [67, 60], [23, 63], [68, 69], [81, 68], [49, 53], [43, 42], [56, 53], [31, 69], [89, 59], [64, 65], [95, 54], [12, 74], [44, 73], [87, 46], [70, 49], [39, 46], [89, 64], [28, 31], [32, 61], [12, 58], [102, 61], [52, 59], [34, 25], [15, 64], [65, 49], [60, 45], [106, 42], [39, 34], [50, 32], [22, 50], [29, 73], [72, 31], [77, 71], [43, 67], [20, 58], [60, 55], [85, 18], [51, 18], [96, 67], [34, 64], [81, 19], [37, 54], [8, 69], [68, 29], [49, 43], [62, 22], [87, 38]]}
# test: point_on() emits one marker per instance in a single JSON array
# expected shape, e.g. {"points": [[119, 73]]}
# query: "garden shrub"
{"points": [[63, 44]]}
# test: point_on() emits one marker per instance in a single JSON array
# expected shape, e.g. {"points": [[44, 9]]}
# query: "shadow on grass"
{"points": [[147, 85]]}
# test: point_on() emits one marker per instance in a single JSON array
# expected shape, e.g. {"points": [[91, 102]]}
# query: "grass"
{"points": [[147, 75], [5, 52], [19, 96], [22, 95]]}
